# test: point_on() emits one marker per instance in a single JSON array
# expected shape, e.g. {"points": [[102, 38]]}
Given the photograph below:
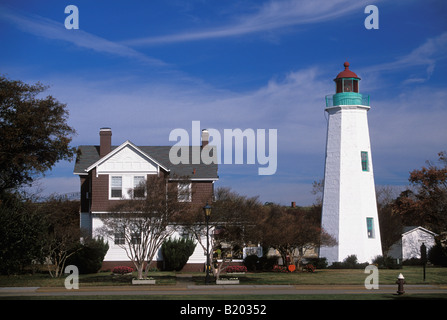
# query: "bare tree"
{"points": [[317, 190], [141, 224], [230, 226], [235, 220], [292, 231], [389, 219]]}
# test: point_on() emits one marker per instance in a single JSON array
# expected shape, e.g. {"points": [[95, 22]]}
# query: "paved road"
{"points": [[189, 289]]}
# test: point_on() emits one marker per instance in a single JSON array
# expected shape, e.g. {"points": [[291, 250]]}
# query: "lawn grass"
{"points": [[412, 274]]}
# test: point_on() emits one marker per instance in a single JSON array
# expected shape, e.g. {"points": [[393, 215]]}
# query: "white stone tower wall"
{"points": [[349, 192]]}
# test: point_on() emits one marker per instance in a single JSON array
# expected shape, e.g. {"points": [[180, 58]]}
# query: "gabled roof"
{"points": [[409, 229], [118, 149], [88, 158]]}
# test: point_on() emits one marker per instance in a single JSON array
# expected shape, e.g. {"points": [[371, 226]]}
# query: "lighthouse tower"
{"points": [[349, 198]]}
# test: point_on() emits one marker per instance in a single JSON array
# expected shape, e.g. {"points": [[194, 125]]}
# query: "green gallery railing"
{"points": [[347, 98]]}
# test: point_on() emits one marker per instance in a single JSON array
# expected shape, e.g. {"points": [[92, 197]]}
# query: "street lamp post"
{"points": [[207, 211], [424, 257]]}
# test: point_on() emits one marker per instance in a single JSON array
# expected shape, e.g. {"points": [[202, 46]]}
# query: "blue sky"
{"points": [[146, 68]]}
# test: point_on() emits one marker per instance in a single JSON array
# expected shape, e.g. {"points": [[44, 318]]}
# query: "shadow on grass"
{"points": [[113, 279], [106, 279], [425, 296]]}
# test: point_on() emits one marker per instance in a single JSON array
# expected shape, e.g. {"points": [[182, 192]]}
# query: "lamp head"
{"points": [[207, 210]]}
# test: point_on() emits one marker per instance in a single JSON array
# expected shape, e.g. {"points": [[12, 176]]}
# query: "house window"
{"points": [[120, 238], [184, 192], [138, 187], [136, 238], [116, 187], [364, 156], [370, 227]]}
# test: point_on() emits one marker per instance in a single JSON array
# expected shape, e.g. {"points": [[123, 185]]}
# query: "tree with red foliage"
{"points": [[426, 204]]}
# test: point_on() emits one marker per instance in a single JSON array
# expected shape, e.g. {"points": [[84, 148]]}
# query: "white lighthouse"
{"points": [[349, 197]]}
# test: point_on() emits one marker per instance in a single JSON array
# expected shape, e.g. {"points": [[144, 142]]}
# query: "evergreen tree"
{"points": [[176, 253]]}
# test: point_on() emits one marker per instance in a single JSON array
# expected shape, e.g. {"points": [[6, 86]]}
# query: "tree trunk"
{"points": [[140, 272]]}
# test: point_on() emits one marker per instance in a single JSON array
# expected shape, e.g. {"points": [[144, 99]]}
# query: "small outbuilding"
{"points": [[409, 245]]}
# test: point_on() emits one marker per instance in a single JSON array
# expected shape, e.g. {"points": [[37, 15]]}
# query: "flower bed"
{"points": [[236, 269], [277, 268], [310, 268], [283, 269], [122, 270]]}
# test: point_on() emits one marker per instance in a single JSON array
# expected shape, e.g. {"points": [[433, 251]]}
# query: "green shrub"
{"points": [[176, 253], [412, 262], [386, 262], [89, 256], [267, 263], [22, 234], [252, 262], [350, 262], [438, 255], [319, 263]]}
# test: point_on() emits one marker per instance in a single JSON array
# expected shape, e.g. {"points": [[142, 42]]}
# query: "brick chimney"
{"points": [[105, 141], [205, 137]]}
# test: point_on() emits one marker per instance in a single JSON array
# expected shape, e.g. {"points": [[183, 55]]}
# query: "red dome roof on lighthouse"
{"points": [[347, 73]]}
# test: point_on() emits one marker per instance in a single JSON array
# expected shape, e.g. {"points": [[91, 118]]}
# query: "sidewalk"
{"points": [[190, 289]]}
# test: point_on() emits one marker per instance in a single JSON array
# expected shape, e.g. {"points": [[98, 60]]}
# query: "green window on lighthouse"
{"points": [[364, 156], [370, 227]]}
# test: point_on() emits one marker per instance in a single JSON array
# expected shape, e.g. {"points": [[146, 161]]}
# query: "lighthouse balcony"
{"points": [[347, 98]]}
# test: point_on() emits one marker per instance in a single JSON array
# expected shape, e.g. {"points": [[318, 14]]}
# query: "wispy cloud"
{"points": [[270, 16], [426, 55], [46, 28]]}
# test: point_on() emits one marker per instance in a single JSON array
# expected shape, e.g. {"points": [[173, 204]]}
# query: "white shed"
{"points": [[409, 246]]}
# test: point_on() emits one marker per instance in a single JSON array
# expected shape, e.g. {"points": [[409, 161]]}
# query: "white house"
{"points": [[108, 173], [409, 246]]}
